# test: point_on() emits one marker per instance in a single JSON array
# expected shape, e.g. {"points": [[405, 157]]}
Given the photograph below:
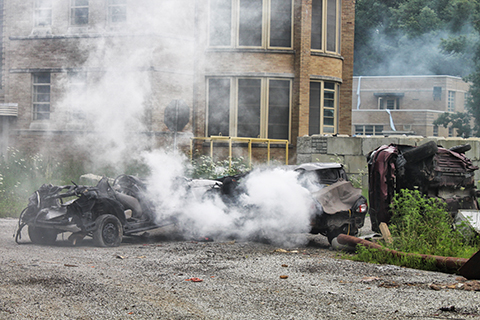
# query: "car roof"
{"points": [[312, 166]]}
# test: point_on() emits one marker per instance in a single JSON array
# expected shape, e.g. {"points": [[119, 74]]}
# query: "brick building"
{"points": [[406, 104], [104, 71]]}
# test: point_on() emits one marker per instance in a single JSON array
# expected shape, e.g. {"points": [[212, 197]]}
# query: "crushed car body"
{"points": [[435, 171], [96, 211], [337, 206]]}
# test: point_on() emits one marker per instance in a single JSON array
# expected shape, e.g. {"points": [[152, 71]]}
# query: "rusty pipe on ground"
{"points": [[449, 263]]}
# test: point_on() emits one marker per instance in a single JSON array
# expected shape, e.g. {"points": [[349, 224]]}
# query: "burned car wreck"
{"points": [[435, 171], [99, 212], [122, 207], [336, 205]]}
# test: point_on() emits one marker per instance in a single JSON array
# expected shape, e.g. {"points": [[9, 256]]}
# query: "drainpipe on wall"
{"points": [[392, 125], [358, 92]]}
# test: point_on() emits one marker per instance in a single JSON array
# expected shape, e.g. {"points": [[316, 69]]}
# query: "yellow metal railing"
{"points": [[230, 141]]}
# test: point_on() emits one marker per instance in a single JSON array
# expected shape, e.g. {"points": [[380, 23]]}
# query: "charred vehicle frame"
{"points": [[98, 212], [434, 170]]}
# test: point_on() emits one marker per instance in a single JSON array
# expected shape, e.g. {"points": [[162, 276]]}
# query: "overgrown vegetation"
{"points": [[21, 175], [420, 225]]}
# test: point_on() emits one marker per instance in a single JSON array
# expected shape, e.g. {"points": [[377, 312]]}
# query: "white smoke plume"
{"points": [[272, 205]]}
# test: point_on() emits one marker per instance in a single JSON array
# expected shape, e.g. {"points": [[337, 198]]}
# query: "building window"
{"points": [[79, 12], [450, 132], [388, 103], [325, 35], [41, 96], [435, 131], [77, 94], [251, 23], [323, 107], [368, 130], [117, 11], [249, 107], [43, 12], [437, 93], [451, 101]]}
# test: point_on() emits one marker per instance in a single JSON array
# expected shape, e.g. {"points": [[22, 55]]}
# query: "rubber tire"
{"points": [[461, 148], [42, 236], [335, 232], [421, 152], [108, 231]]}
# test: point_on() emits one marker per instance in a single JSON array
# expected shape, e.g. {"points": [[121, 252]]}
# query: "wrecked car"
{"points": [[337, 206], [97, 211], [435, 171]]}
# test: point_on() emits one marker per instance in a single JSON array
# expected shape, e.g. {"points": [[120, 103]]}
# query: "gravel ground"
{"points": [[147, 279]]}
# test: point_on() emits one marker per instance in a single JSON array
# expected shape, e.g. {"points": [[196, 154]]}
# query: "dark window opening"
{"points": [[332, 25], [41, 96], [278, 109], [79, 12], [218, 107], [317, 24], [314, 115], [437, 93], [281, 23], [250, 23], [249, 103]]}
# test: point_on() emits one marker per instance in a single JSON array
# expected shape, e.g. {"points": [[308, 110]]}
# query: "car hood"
{"points": [[340, 196]]}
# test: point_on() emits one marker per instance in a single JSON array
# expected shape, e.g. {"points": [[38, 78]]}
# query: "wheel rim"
{"points": [[110, 233]]}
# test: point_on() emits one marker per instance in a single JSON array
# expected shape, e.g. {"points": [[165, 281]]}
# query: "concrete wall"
{"points": [[352, 151]]}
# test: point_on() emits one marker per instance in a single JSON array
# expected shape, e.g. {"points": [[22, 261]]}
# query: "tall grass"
{"points": [[421, 225]]}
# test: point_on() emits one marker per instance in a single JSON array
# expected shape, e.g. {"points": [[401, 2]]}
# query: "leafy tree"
{"points": [[415, 37], [458, 120]]}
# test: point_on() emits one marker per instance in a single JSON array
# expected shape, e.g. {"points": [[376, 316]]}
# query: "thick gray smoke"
{"points": [[272, 205]]}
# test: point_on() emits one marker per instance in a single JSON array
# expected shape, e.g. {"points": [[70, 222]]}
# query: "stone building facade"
{"points": [[406, 104], [88, 76]]}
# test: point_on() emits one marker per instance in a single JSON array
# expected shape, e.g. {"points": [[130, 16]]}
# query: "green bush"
{"points": [[420, 225]]}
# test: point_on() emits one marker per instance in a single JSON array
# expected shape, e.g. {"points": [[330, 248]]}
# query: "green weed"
{"points": [[420, 225]]}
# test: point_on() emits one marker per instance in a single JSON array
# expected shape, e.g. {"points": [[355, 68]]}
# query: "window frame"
{"points": [[375, 132], [325, 28], [265, 22], [76, 80], [45, 106], [73, 13], [264, 105], [322, 107], [451, 101], [37, 17], [111, 5]]}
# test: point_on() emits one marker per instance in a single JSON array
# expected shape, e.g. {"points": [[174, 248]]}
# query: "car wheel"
{"points": [[332, 234], [421, 152], [42, 235], [108, 231]]}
